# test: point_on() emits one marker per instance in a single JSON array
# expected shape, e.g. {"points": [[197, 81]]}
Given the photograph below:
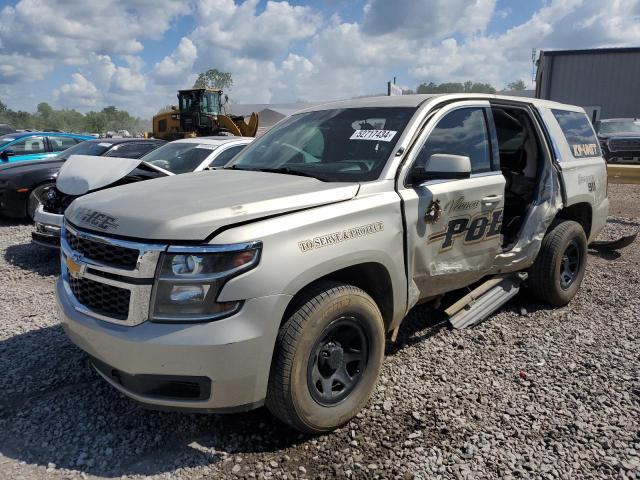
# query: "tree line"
{"points": [[459, 87], [68, 120]]}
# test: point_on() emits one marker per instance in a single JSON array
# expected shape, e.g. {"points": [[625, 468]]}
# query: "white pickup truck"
{"points": [[278, 278]]}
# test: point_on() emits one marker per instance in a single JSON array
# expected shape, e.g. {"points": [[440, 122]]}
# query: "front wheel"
{"points": [[327, 359], [36, 198], [557, 273]]}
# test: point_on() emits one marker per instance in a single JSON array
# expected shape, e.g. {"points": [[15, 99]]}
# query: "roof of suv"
{"points": [[420, 99]]}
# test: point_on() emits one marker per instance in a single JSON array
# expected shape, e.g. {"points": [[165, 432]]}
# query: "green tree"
{"points": [[214, 78], [517, 85]]}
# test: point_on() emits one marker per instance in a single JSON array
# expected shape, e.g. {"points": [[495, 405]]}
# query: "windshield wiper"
{"points": [[284, 170]]}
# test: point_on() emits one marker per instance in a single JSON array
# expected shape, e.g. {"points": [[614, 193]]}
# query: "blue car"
{"points": [[18, 147]]}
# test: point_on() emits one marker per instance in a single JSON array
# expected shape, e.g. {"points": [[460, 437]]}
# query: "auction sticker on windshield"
{"points": [[378, 135]]}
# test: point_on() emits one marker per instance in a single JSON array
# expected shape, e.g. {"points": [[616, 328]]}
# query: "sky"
{"points": [[136, 54]]}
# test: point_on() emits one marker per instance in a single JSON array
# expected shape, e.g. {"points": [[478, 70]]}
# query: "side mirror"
{"points": [[174, 108], [442, 166], [5, 154]]}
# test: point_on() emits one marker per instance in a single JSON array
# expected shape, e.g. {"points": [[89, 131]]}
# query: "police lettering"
{"points": [[472, 230]]}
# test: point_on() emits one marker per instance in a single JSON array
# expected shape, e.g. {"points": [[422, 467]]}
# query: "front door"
{"points": [[453, 226]]}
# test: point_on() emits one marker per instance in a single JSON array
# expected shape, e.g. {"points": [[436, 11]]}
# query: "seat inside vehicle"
{"points": [[520, 162]]}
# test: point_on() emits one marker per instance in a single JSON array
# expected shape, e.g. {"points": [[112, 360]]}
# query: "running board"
{"points": [[484, 300]]}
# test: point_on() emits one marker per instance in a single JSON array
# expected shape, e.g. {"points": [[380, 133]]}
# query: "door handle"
{"points": [[492, 199]]}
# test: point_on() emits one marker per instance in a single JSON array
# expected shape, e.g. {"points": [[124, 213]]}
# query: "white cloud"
{"points": [[60, 31], [15, 68], [79, 93], [175, 67], [277, 51], [238, 29]]}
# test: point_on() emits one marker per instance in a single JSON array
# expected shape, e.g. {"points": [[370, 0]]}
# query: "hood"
{"points": [[191, 206], [83, 173]]}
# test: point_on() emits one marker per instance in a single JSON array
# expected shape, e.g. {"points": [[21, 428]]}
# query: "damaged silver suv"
{"points": [[278, 278]]}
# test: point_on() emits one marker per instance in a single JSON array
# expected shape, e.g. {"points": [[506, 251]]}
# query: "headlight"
{"points": [[190, 279]]}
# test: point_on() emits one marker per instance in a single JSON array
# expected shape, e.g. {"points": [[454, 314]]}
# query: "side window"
{"points": [[28, 146], [226, 156], [460, 132], [577, 130], [58, 144], [162, 125]]}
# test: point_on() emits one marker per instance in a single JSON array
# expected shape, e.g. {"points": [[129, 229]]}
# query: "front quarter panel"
{"points": [[299, 248]]}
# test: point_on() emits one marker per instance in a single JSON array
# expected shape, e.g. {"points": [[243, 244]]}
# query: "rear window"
{"points": [[85, 148], [578, 132]]}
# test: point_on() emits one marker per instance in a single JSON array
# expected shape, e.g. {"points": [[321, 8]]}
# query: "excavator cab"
{"points": [[198, 108]]}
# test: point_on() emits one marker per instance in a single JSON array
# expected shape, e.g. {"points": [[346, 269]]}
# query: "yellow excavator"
{"points": [[198, 114]]}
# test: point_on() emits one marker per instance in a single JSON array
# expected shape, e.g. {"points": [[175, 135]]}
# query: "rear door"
{"points": [[453, 226]]}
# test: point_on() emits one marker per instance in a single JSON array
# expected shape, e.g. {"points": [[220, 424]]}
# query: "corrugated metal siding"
{"points": [[610, 80]]}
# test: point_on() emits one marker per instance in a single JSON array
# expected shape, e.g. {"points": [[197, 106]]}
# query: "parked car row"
{"points": [[23, 183], [83, 174]]}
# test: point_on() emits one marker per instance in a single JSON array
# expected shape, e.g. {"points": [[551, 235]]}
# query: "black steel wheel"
{"points": [[570, 264], [337, 361], [558, 270], [327, 358]]}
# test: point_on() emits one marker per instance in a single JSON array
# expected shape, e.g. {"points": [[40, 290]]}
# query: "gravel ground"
{"points": [[533, 392]]}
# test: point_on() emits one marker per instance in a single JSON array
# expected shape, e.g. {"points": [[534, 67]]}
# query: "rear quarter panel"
{"points": [[584, 178]]}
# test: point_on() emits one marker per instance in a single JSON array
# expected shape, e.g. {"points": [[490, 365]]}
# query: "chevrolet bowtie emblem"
{"points": [[75, 268]]}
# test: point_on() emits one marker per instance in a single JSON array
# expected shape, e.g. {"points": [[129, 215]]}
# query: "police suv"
{"points": [[277, 279]]}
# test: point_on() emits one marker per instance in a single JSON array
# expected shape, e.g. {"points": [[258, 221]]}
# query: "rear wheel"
{"points": [[36, 198], [559, 268], [327, 359]]}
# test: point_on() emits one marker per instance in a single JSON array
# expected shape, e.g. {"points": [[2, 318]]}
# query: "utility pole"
{"points": [[534, 54]]}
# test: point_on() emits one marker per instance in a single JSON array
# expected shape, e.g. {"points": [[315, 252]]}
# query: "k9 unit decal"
{"points": [[470, 229]]}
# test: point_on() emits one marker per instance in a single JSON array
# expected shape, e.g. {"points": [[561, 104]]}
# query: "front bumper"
{"points": [[233, 353], [47, 228]]}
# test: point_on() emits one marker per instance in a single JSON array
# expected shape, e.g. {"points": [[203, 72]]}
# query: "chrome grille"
{"points": [[624, 144], [107, 278], [105, 253], [101, 298]]}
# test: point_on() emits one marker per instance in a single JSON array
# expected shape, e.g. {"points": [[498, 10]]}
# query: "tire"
{"points": [[331, 326], [34, 199], [557, 273]]}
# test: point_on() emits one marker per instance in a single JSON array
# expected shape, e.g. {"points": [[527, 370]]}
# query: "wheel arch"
{"points": [[581, 213], [372, 277]]}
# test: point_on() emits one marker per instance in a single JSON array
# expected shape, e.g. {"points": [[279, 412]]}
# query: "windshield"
{"points": [[342, 145], [620, 126], [85, 148], [179, 157], [207, 102]]}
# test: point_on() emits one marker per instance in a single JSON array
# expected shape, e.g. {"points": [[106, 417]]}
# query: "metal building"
{"points": [[606, 82]]}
